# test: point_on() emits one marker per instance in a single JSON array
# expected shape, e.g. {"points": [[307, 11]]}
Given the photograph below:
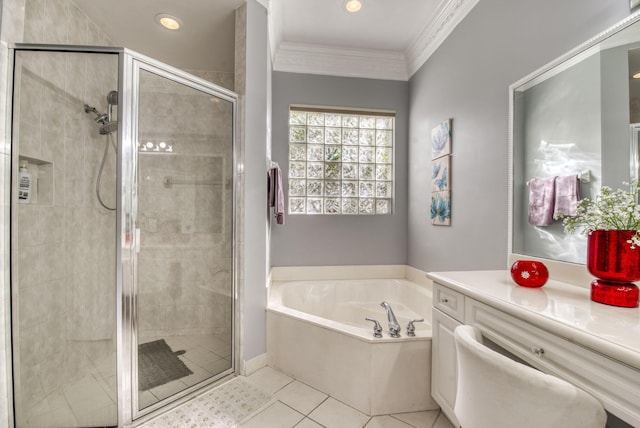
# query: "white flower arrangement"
{"points": [[610, 210]]}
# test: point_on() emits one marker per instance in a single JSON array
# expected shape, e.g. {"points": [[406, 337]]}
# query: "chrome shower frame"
{"points": [[130, 63]]}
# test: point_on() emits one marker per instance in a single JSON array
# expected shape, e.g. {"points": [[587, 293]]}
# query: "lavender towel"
{"points": [[567, 196], [276, 195], [541, 201]]}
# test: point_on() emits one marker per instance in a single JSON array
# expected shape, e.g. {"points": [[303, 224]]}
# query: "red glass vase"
{"points": [[616, 264], [529, 273]]}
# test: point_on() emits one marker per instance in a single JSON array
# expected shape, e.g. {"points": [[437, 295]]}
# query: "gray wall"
{"points": [[467, 78], [323, 240]]}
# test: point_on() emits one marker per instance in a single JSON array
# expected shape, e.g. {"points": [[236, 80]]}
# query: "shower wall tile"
{"points": [[76, 26], [29, 229], [51, 287], [52, 225], [51, 260], [54, 22], [12, 21], [34, 21], [221, 78], [28, 307], [28, 266], [95, 36], [75, 76]]}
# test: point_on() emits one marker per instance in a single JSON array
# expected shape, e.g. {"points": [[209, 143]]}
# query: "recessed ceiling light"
{"points": [[169, 22], [353, 6], [636, 76]]}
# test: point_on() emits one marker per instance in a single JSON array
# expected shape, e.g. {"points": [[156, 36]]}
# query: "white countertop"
{"points": [[560, 308]]}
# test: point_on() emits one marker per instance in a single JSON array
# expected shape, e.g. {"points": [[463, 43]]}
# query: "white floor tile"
{"points": [[168, 389], [269, 380], [145, 399], [277, 415], [308, 423], [386, 422], [301, 397], [419, 419], [443, 422], [334, 414]]}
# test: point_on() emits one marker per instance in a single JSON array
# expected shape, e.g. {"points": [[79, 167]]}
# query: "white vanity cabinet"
{"points": [[448, 313], [556, 329]]}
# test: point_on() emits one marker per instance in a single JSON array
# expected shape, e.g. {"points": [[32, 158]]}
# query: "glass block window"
{"points": [[340, 161]]}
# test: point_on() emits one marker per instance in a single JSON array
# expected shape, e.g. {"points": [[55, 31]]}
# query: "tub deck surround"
{"points": [[316, 333], [556, 328], [342, 305]]}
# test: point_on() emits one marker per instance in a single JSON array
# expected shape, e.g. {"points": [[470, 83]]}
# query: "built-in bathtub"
{"points": [[317, 333]]}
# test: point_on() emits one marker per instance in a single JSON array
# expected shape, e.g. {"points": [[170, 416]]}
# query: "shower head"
{"points": [[112, 98], [108, 128], [102, 118]]}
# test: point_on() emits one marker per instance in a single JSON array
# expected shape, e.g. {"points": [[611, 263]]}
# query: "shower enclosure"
{"points": [[122, 255]]}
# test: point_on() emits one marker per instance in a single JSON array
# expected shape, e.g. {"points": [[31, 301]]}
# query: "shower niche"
{"points": [[41, 176], [123, 258]]}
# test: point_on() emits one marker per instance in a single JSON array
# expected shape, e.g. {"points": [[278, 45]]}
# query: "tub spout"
{"points": [[394, 327]]}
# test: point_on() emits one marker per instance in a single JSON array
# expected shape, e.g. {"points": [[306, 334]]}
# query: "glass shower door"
{"points": [[184, 304], [63, 241]]}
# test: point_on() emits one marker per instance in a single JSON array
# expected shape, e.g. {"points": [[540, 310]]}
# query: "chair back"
{"points": [[495, 391]]}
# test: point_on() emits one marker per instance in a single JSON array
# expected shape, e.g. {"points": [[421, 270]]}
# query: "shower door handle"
{"points": [[137, 240]]}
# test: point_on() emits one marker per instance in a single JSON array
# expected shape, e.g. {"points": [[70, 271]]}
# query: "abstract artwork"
{"points": [[441, 174], [441, 139], [441, 208], [440, 171]]}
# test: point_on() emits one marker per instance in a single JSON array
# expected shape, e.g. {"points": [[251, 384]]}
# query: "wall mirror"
{"points": [[577, 116]]}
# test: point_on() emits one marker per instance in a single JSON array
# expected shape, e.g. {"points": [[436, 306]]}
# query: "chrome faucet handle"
{"points": [[394, 331], [411, 329], [377, 328]]}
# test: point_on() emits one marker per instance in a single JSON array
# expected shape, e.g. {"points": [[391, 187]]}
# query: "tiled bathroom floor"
{"points": [[300, 406], [91, 400], [295, 404], [205, 355]]}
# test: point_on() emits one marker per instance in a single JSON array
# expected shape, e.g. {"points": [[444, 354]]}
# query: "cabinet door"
{"points": [[444, 363]]}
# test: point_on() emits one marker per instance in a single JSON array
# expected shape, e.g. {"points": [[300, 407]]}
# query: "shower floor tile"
{"points": [[199, 357]]}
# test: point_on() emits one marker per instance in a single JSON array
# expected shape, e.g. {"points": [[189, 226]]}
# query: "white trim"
{"points": [[372, 64], [253, 365], [265, 3], [327, 60], [426, 43], [306, 273], [417, 276]]}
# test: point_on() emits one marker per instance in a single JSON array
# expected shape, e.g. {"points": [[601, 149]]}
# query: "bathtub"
{"points": [[317, 333]]}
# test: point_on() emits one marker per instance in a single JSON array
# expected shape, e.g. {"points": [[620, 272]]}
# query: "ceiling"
{"points": [[387, 39]]}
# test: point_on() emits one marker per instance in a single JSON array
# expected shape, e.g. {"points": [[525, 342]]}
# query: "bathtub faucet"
{"points": [[394, 327]]}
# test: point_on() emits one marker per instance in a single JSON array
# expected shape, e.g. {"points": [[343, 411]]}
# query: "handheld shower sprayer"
{"points": [[112, 100], [107, 127]]}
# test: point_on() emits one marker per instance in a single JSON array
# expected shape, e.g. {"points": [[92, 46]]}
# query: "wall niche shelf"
{"points": [[42, 176]]}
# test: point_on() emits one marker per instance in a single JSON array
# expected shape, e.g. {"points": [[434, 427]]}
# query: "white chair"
{"points": [[495, 391]]}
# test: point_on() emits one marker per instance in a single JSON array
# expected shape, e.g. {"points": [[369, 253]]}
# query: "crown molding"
{"points": [[426, 43], [327, 60], [372, 64]]}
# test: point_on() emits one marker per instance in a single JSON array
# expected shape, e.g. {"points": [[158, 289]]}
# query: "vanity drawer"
{"points": [[615, 384], [448, 301]]}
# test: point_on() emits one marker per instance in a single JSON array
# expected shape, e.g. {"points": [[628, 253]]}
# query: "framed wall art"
{"points": [[441, 173]]}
